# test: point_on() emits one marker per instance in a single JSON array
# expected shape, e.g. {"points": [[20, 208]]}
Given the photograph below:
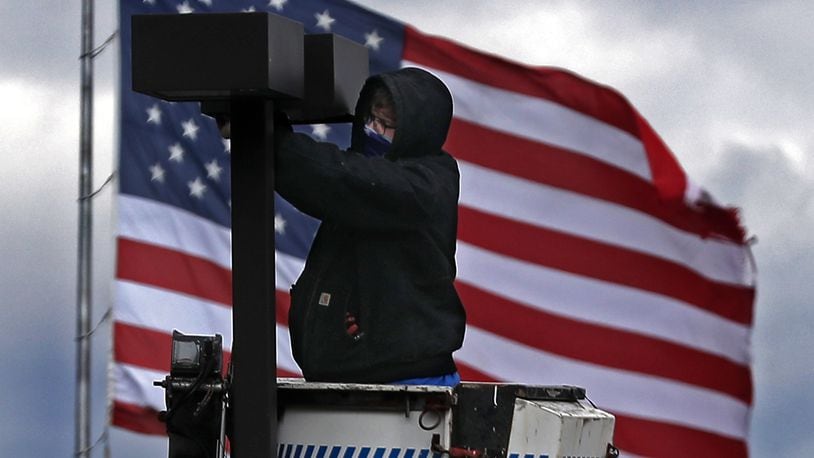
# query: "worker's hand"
{"points": [[281, 122], [224, 125]]}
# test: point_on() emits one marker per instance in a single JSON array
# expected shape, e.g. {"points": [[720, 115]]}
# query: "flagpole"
{"points": [[82, 408]]}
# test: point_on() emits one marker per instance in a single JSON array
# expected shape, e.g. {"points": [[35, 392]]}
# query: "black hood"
{"points": [[423, 111]]}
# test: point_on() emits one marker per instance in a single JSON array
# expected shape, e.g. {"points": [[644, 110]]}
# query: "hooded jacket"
{"points": [[376, 302]]}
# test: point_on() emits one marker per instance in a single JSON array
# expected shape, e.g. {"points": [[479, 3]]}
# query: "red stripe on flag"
{"points": [[147, 348], [470, 374], [137, 418], [283, 303], [556, 85], [575, 172], [604, 262], [668, 176], [287, 374], [653, 438], [173, 270], [604, 346], [142, 347]]}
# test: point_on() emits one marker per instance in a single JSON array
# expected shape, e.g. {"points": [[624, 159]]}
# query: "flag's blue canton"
{"points": [[171, 153]]}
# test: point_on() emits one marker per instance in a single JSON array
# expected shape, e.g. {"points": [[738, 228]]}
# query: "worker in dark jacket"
{"points": [[376, 302]]}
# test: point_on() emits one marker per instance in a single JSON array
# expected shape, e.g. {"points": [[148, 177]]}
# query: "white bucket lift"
{"points": [[332, 420]]}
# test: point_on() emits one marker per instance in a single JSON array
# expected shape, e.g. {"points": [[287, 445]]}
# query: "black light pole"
{"points": [[254, 393], [245, 61]]}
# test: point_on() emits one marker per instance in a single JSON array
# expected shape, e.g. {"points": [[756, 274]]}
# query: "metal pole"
{"points": [[83, 319], [254, 324]]}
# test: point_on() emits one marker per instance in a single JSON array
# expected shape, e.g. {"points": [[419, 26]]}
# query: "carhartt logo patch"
{"points": [[325, 299]]}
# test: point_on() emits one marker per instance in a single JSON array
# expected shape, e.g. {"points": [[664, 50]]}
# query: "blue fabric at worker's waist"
{"points": [[441, 380]]}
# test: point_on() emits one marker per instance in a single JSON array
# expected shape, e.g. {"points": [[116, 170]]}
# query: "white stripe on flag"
{"points": [[147, 221], [285, 360], [288, 269], [612, 389], [603, 303], [134, 385], [167, 226], [543, 121], [165, 310], [576, 214], [623, 454]]}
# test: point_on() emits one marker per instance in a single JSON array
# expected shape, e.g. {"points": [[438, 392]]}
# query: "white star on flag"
{"points": [[324, 20], [227, 145], [373, 40], [249, 9], [277, 4], [176, 152], [320, 131], [154, 114], [213, 170], [196, 188], [157, 173], [184, 8], [279, 224], [190, 129]]}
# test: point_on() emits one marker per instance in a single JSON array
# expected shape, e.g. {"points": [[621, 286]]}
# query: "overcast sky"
{"points": [[728, 85]]}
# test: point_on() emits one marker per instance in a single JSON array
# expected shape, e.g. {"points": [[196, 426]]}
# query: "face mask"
{"points": [[376, 144]]}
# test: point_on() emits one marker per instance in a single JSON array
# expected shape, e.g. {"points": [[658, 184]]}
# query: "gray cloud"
{"points": [[38, 192], [39, 40], [38, 272], [774, 190], [776, 197]]}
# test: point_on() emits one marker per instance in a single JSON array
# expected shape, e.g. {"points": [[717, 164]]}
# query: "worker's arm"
{"points": [[331, 184]]}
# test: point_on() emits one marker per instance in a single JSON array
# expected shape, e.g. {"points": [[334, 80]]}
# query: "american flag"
{"points": [[585, 254]]}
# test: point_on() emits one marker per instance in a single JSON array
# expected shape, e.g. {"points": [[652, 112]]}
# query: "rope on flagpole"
{"points": [[105, 317], [100, 188], [98, 50], [103, 437]]}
